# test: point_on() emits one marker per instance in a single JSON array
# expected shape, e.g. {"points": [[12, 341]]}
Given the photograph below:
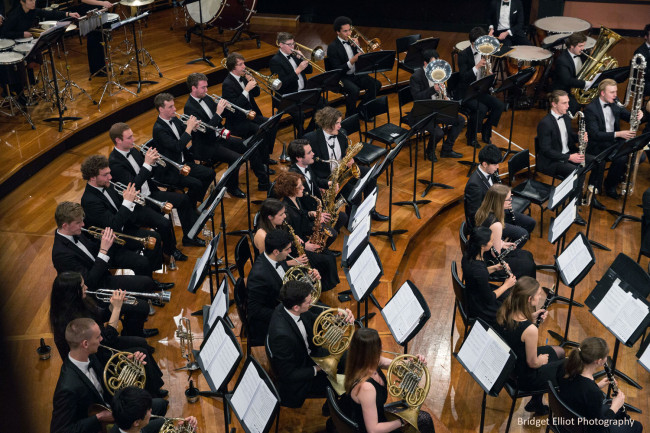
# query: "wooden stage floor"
{"points": [[424, 255]]}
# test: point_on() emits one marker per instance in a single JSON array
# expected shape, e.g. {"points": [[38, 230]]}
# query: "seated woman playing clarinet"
{"points": [[491, 214], [483, 299], [366, 390], [515, 319], [581, 393]]}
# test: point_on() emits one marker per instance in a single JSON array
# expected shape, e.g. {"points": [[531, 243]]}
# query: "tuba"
{"points": [[122, 371], [598, 62], [439, 72], [333, 332], [487, 45], [403, 379], [301, 272]]}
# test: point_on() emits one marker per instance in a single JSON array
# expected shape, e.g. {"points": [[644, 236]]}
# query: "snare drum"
{"points": [[23, 48], [111, 18], [524, 56], [6, 44], [12, 68]]}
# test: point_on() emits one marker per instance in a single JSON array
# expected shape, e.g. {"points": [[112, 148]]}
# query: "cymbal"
{"points": [[136, 3]]}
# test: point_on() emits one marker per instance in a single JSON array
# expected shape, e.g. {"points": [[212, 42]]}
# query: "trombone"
{"points": [[272, 82], [371, 45], [165, 207], [202, 127], [105, 295], [315, 55], [250, 114], [163, 160], [120, 238]]}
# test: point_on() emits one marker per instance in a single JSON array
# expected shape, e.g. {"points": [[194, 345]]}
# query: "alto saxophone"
{"points": [[320, 231]]}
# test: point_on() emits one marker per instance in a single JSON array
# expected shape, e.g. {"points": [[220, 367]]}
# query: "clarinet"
{"points": [[547, 302], [501, 257], [509, 212], [614, 388]]}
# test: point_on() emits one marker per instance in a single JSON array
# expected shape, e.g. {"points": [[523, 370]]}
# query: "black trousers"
{"points": [[247, 128], [150, 217], [133, 316], [197, 182], [616, 169], [182, 204], [352, 85], [436, 134], [489, 108], [522, 225], [129, 257]]}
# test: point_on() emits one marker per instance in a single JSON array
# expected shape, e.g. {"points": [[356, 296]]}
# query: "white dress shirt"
{"points": [[477, 58], [145, 191], [564, 134], [204, 106], [126, 203], [83, 248], [489, 178], [243, 86], [504, 18], [303, 332], [307, 177], [609, 116], [350, 53], [89, 372], [301, 81], [333, 148]]}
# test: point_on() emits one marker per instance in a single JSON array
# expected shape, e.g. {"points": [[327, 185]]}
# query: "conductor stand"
{"points": [[630, 147], [516, 84], [203, 57], [425, 116], [477, 88], [136, 53], [49, 39], [444, 112], [295, 105]]}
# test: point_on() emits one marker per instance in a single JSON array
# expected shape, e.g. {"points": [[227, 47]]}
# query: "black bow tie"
{"points": [[288, 57], [560, 118], [576, 56], [243, 80], [299, 319], [346, 42], [277, 265], [75, 238], [609, 104], [505, 3]]}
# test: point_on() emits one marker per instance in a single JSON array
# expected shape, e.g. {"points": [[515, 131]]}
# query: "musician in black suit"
{"points": [[291, 346], [328, 143], [471, 65], [104, 207], [302, 158], [517, 224], [567, 67], [506, 18], [128, 165], [342, 54], [603, 121], [171, 139], [80, 383], [265, 280], [644, 50], [211, 145], [25, 15], [422, 88]]}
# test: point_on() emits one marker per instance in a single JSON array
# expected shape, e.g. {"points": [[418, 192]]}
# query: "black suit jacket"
{"points": [[516, 16], [321, 150], [599, 138], [465, 68], [475, 190], [73, 395], [645, 52], [279, 64], [232, 91], [167, 144], [420, 88], [337, 56], [263, 284], [99, 212], [313, 187], [289, 357], [122, 170], [564, 77], [203, 141], [550, 142], [67, 257]]}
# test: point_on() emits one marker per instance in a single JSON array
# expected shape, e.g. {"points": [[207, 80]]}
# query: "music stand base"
{"points": [[563, 341], [189, 367], [430, 185], [472, 165], [622, 216], [414, 203], [598, 245], [61, 120], [205, 59], [361, 320], [390, 234]]}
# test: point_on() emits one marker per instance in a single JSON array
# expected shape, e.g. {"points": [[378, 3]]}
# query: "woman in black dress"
{"points": [[366, 391], [483, 299], [515, 319], [582, 394]]}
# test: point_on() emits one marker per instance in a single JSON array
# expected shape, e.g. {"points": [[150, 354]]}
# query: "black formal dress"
{"points": [[338, 58], [294, 369], [521, 262], [263, 284], [175, 148], [312, 184], [565, 77], [481, 300], [422, 89], [515, 22], [489, 107]]}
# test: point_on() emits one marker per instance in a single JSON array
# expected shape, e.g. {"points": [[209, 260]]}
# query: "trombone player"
{"points": [[422, 87]]}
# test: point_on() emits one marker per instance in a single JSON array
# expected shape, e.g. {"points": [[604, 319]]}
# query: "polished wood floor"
{"points": [[423, 255]]}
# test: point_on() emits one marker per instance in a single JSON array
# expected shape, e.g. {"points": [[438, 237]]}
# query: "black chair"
{"points": [[240, 293], [558, 410], [271, 192], [242, 255], [537, 192], [462, 236], [538, 169], [342, 423], [644, 250], [401, 46], [512, 388], [370, 153], [386, 133], [404, 97], [459, 304]]}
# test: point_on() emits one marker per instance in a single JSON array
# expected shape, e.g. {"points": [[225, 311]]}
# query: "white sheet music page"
{"points": [[564, 220], [574, 259], [403, 312], [563, 189], [362, 181], [245, 392], [645, 358], [359, 234], [484, 354], [472, 349], [363, 272], [200, 264], [219, 306], [364, 208], [261, 408], [620, 312], [218, 355]]}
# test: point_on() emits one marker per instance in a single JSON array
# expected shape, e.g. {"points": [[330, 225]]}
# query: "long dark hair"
{"points": [[270, 207], [479, 237], [590, 350], [363, 357]]}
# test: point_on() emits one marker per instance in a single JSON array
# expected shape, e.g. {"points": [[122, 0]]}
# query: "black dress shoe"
{"points": [[597, 205], [611, 192], [486, 139], [161, 393], [377, 216], [146, 333], [430, 155], [450, 154], [179, 256], [473, 143], [580, 221], [163, 286], [272, 161], [263, 186], [236, 192], [334, 253], [197, 242]]}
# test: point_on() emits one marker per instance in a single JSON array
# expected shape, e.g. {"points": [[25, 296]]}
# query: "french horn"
{"points": [[333, 332]]}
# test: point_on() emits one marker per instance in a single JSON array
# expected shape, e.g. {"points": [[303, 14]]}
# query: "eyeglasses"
{"points": [[292, 44], [509, 199]]}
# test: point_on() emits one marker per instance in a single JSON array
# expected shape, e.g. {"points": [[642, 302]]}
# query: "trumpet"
{"points": [[184, 333], [371, 44], [202, 127], [487, 45], [165, 207], [439, 72], [250, 114], [122, 370], [163, 160], [120, 238], [104, 295]]}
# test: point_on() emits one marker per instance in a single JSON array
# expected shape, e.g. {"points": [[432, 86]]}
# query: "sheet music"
{"points": [[363, 272], [563, 220], [470, 351], [364, 208], [218, 355], [200, 265], [484, 354], [361, 182], [253, 400], [358, 235], [563, 189], [403, 313], [620, 311], [219, 306], [645, 358], [574, 259]]}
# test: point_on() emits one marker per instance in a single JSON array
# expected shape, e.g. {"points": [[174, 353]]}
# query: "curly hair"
{"points": [[91, 166], [326, 117], [287, 183]]}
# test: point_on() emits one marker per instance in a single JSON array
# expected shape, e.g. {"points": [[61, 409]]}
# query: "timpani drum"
{"points": [[226, 15], [23, 49], [12, 68], [591, 42], [525, 56], [553, 25], [24, 40], [6, 44], [462, 45]]}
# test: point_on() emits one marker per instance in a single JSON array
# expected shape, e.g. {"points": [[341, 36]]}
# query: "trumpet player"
{"points": [[80, 384], [174, 140], [343, 52], [471, 65], [128, 165], [423, 88]]}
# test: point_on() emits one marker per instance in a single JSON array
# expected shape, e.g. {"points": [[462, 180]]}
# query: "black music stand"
{"points": [[516, 83], [327, 81], [644, 354], [477, 88], [136, 52], [414, 58], [375, 62], [303, 99], [203, 268], [630, 147], [217, 308], [406, 313], [617, 74], [421, 122], [203, 57], [633, 280], [598, 160], [445, 112], [48, 40], [362, 282]]}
